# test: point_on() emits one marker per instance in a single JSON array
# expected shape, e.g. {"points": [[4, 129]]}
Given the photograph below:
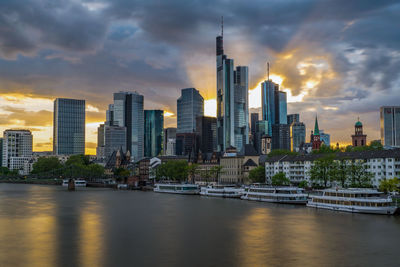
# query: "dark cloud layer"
{"points": [[90, 49]]}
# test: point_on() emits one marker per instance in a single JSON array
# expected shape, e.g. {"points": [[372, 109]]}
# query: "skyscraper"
{"points": [[169, 141], [69, 126], [293, 118], [268, 103], [390, 126], [297, 135], [17, 148], [190, 105], [325, 138], [232, 101], [114, 139], [253, 129], [153, 132], [127, 112], [206, 130], [241, 108]]}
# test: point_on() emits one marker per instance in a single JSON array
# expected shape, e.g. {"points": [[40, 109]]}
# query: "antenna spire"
{"points": [[222, 26], [268, 70]]}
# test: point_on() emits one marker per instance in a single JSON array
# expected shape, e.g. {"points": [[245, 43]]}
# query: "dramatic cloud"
{"points": [[338, 59]]}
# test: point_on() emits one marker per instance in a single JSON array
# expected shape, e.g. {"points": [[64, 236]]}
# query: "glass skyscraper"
{"points": [[69, 126], [153, 132], [232, 102], [297, 135], [189, 106], [390, 126], [127, 112], [268, 102], [282, 108]]}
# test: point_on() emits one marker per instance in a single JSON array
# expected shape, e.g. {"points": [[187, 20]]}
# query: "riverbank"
{"points": [[32, 181]]}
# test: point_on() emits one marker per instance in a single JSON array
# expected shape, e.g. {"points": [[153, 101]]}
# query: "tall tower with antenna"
{"points": [[232, 100]]}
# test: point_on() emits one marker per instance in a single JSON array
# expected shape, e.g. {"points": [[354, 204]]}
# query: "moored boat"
{"points": [[185, 189], [356, 200], [77, 182], [221, 191], [284, 195]]}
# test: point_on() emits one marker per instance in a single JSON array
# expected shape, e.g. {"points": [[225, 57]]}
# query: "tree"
{"points": [[95, 170], [176, 170], [77, 160], [278, 152], [192, 170], [122, 172], [359, 176], [44, 164], [216, 172], [342, 172], [324, 149], [280, 179], [303, 184], [389, 185], [257, 175], [323, 170]]}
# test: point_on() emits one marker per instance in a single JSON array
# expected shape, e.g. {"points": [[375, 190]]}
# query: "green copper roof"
{"points": [[358, 124], [316, 129]]}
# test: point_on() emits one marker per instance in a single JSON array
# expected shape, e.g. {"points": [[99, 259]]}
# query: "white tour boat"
{"points": [[285, 195], [78, 182], [185, 189], [353, 200], [221, 191]]}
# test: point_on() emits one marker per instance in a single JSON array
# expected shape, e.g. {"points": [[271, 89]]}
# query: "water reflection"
{"points": [[91, 242]]}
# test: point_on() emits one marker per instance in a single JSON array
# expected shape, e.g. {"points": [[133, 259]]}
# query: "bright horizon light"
{"points": [[210, 107]]}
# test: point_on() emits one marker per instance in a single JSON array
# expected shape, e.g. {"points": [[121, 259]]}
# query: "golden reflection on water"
{"points": [[265, 237], [91, 236]]}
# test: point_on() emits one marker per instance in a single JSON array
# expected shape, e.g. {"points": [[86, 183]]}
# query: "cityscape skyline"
{"points": [[320, 74]]}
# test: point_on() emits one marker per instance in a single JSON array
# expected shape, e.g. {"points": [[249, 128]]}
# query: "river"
{"points": [[49, 226]]}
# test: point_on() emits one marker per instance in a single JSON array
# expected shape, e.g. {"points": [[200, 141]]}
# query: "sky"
{"points": [[336, 59]]}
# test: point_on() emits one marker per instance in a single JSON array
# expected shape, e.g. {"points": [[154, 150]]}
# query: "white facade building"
{"points": [[17, 149], [382, 164]]}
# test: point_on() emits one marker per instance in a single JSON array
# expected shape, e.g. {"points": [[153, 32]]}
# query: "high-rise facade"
{"points": [[69, 126], [232, 101], [269, 103], [281, 136], [17, 148], [206, 130], [190, 105], [153, 132], [390, 126], [297, 135], [127, 111], [114, 139], [100, 143], [1, 150], [241, 106], [293, 118], [325, 138], [169, 141]]}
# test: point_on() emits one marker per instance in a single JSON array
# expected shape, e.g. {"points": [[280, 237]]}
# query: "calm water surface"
{"points": [[48, 226]]}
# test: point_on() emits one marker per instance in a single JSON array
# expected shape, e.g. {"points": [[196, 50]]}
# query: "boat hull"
{"points": [[179, 192], [297, 202], [210, 194], [355, 209]]}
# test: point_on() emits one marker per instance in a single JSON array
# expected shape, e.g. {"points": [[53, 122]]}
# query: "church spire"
{"points": [[316, 129]]}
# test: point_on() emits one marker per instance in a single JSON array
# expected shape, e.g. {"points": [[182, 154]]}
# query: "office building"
{"points": [[69, 126], [127, 111], [269, 103], [232, 101], [114, 139], [153, 132], [169, 142], [187, 145], [253, 120], [358, 138], [325, 138], [190, 105], [293, 118], [17, 149], [297, 135], [390, 126], [100, 155], [280, 136], [1, 151], [206, 130]]}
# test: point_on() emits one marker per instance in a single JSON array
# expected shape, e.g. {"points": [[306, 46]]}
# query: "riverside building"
{"points": [[382, 164], [17, 149], [190, 105]]}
